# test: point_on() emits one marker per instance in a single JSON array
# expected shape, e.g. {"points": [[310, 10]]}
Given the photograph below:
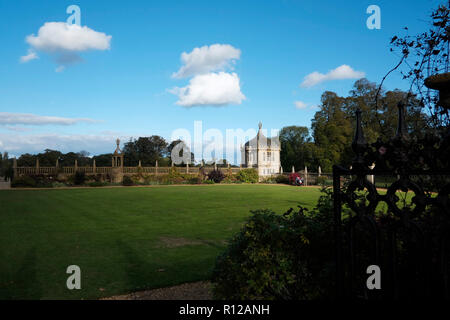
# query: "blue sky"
{"points": [[127, 89]]}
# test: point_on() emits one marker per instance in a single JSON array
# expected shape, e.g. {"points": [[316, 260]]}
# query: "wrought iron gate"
{"points": [[408, 237]]}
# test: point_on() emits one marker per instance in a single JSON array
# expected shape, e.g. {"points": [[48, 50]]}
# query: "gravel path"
{"points": [[188, 291]]}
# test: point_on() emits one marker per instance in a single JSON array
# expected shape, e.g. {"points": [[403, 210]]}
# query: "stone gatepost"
{"points": [[306, 176], [37, 165], [15, 166], [117, 164]]}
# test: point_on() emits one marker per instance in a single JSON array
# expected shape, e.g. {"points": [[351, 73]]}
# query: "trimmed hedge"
{"points": [[248, 176]]}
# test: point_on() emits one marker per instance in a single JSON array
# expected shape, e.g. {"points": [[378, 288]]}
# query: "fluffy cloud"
{"points": [[17, 144], [206, 59], [30, 56], [341, 72], [210, 84], [210, 89], [7, 118], [61, 36], [65, 41]]}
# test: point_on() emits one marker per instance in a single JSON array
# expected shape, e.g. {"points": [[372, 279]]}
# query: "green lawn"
{"points": [[123, 239]]}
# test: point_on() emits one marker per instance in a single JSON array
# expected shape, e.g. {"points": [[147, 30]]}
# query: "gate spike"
{"points": [[402, 132], [359, 143]]}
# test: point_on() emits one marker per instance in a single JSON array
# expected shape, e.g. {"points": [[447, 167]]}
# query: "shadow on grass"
{"points": [[139, 272], [23, 284]]}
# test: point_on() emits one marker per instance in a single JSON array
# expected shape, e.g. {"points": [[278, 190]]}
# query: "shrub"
{"points": [[276, 256], [282, 179], [58, 184], [23, 182], [216, 175], [97, 184], [248, 175], [79, 178], [127, 181], [292, 177], [34, 181], [322, 181]]}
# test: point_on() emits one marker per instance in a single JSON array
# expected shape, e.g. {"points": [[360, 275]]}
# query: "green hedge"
{"points": [[279, 257], [248, 176]]}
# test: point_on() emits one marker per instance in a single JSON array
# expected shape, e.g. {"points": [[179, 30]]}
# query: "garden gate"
{"points": [[407, 236]]}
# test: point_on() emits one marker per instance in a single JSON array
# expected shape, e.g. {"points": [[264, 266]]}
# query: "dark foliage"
{"points": [[79, 178], [216, 175], [280, 256], [127, 181]]}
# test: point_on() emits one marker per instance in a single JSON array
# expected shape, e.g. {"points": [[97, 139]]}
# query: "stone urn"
{"points": [[440, 82]]}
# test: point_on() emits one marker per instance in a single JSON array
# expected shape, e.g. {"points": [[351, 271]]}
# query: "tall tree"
{"points": [[146, 149], [296, 147], [332, 131]]}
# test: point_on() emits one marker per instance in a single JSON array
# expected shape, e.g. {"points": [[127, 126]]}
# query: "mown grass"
{"points": [[121, 237]]}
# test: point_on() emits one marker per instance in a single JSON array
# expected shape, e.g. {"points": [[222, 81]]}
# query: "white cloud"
{"points": [[65, 41], [304, 106], [61, 36], [30, 56], [17, 144], [342, 72], [7, 118], [300, 104], [206, 59], [210, 89]]}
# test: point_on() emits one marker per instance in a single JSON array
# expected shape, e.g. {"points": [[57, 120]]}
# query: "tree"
{"points": [[103, 160], [424, 55], [333, 124], [296, 147], [332, 132], [26, 160], [49, 157], [146, 149]]}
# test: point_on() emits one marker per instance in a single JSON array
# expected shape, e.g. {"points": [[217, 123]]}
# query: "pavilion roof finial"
{"points": [[260, 125], [118, 147]]}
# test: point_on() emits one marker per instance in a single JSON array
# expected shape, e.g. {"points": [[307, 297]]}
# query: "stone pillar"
{"points": [[37, 165], [76, 165], [372, 177], [140, 164], [306, 176], [15, 166], [187, 168], [319, 171], [281, 170], [293, 169], [156, 167], [94, 167], [215, 166]]}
